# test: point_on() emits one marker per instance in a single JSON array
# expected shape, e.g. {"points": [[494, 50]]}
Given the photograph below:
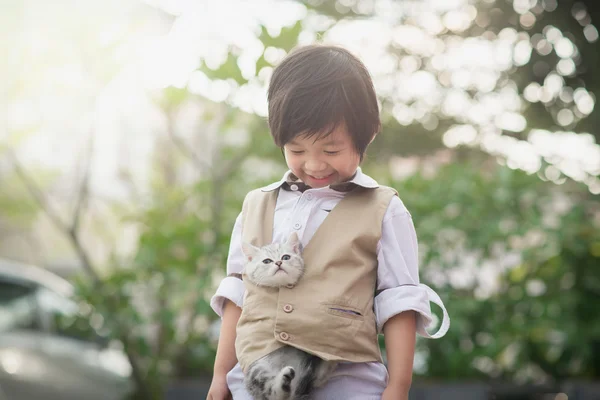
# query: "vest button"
{"points": [[288, 308], [284, 336], [294, 187]]}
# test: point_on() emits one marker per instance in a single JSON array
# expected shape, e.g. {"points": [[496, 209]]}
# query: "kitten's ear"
{"points": [[249, 250], [294, 243]]}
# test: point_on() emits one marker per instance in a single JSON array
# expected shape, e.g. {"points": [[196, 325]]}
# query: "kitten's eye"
{"points": [[267, 261], [285, 257]]}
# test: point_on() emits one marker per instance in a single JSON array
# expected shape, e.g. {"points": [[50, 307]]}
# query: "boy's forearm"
{"points": [[226, 358], [400, 339]]}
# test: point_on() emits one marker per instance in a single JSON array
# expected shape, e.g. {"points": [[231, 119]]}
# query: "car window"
{"points": [[17, 307]]}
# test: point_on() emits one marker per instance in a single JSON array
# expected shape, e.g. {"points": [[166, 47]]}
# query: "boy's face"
{"points": [[324, 161]]}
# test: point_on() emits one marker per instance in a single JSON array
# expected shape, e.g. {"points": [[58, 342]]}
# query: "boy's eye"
{"points": [[285, 257], [267, 261], [331, 153], [297, 151]]}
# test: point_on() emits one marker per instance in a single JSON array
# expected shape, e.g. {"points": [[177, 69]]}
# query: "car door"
{"points": [[93, 369], [39, 358], [24, 372]]}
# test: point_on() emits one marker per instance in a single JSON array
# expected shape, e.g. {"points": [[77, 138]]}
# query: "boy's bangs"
{"points": [[326, 115], [321, 132]]}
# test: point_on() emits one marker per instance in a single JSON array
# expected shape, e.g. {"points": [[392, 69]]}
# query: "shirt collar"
{"points": [[359, 179]]}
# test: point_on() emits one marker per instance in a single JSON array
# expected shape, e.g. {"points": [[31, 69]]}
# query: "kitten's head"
{"points": [[275, 264]]}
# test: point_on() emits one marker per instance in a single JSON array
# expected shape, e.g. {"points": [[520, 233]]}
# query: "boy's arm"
{"points": [[226, 358], [227, 303], [400, 337]]}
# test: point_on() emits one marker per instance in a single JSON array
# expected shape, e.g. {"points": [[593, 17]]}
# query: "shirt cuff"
{"points": [[230, 288], [393, 301], [396, 300]]}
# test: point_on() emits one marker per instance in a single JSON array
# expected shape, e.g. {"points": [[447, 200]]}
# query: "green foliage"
{"points": [[539, 318], [228, 70], [172, 97], [286, 40], [160, 302], [17, 208]]}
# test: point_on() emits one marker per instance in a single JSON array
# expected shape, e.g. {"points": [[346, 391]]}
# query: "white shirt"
{"points": [[398, 284]]}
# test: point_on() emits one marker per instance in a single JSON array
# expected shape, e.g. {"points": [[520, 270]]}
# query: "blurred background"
{"points": [[130, 132]]}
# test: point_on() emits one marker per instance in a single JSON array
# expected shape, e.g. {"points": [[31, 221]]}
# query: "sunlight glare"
{"points": [[523, 6], [552, 34], [564, 48], [591, 33], [403, 114], [565, 117], [456, 102], [460, 134], [457, 20], [532, 92], [513, 122], [522, 52], [569, 148], [566, 67], [553, 83], [584, 101], [527, 20]]}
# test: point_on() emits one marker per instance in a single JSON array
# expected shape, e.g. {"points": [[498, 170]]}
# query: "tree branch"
{"points": [[72, 233], [36, 193], [84, 185], [200, 164], [44, 204]]}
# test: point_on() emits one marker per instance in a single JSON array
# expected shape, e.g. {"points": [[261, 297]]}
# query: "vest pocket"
{"points": [[344, 311], [344, 315], [340, 321]]}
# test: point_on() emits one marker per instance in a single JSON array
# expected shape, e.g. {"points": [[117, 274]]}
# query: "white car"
{"points": [[40, 358]]}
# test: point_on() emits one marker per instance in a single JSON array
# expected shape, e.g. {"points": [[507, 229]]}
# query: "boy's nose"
{"points": [[315, 166]]}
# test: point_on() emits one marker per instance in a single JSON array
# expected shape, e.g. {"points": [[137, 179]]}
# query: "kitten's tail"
{"points": [[283, 381]]}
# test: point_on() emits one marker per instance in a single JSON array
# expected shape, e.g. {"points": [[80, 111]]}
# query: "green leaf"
{"points": [[228, 70], [286, 40]]}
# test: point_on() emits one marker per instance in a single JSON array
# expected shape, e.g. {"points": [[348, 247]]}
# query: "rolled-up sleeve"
{"points": [[231, 287], [398, 285]]}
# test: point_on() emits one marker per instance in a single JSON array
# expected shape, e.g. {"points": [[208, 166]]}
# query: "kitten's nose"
{"points": [[278, 263]]}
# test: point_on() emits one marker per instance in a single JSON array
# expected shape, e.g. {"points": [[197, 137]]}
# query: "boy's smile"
{"points": [[322, 161]]}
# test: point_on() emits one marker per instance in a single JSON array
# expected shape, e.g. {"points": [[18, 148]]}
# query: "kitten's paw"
{"points": [[288, 374]]}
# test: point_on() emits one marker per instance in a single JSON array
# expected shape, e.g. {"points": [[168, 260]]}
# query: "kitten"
{"points": [[286, 373]]}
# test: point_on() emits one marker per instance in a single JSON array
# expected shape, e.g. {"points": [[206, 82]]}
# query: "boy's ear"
{"points": [[249, 250], [294, 242]]}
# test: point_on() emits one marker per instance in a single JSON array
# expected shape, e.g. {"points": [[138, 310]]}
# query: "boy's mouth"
{"points": [[323, 179]]}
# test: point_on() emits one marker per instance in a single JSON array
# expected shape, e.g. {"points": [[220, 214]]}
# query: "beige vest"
{"points": [[329, 313]]}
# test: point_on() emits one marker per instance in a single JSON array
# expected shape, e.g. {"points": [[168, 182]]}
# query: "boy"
{"points": [[323, 113]]}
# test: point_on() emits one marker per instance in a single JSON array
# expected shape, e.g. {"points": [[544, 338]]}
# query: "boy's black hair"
{"points": [[315, 89]]}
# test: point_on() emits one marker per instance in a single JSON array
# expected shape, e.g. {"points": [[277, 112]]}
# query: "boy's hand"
{"points": [[394, 392], [219, 389]]}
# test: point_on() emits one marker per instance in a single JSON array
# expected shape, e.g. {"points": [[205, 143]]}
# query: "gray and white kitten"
{"points": [[287, 373]]}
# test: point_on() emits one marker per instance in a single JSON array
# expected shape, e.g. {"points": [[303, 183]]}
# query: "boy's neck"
{"points": [[339, 186]]}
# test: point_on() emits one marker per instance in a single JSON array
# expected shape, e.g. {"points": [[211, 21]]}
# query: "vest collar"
{"points": [[290, 180]]}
